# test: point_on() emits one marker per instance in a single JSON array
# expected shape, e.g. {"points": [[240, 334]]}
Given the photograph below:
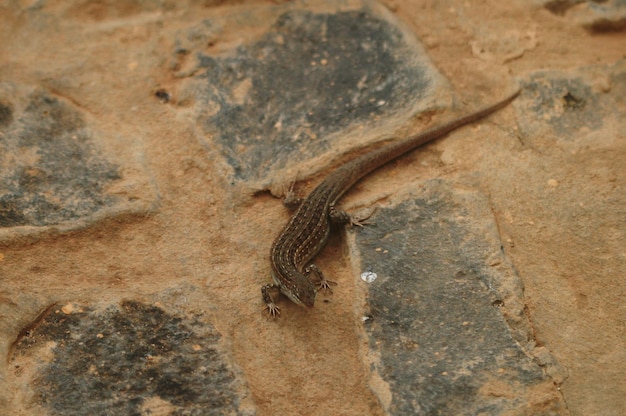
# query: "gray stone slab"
{"points": [[126, 359], [595, 15], [59, 171], [306, 86], [572, 106], [438, 334]]}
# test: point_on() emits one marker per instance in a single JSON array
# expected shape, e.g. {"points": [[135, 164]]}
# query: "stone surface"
{"points": [[575, 106], [595, 15], [55, 174], [60, 177], [437, 333], [139, 143], [297, 91], [127, 359]]}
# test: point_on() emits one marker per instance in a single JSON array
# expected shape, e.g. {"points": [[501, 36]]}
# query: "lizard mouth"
{"points": [[302, 302], [305, 300]]}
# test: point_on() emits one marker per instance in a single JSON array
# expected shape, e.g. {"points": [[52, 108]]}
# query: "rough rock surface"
{"points": [[141, 145]]}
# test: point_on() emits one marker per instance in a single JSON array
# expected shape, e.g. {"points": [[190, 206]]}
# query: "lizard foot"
{"points": [[272, 310]]}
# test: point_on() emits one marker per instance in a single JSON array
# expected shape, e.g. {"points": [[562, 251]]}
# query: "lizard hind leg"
{"points": [[291, 200], [342, 217]]}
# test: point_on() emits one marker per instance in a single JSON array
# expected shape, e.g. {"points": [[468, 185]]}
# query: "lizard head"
{"points": [[301, 293]]}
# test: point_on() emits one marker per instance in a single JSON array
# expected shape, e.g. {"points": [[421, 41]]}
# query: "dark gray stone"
{"points": [[114, 361], [573, 105], [310, 76], [594, 15], [55, 174], [435, 325], [57, 171], [561, 6]]}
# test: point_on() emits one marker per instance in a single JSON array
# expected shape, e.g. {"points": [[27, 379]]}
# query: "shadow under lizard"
{"points": [[307, 231]]}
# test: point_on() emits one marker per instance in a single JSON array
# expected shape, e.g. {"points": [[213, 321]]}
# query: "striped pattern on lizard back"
{"points": [[308, 229]]}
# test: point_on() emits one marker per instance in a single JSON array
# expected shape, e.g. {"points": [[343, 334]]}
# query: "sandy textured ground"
{"points": [[192, 236]]}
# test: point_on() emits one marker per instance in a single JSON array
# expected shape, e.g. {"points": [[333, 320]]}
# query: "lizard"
{"points": [[307, 231]]}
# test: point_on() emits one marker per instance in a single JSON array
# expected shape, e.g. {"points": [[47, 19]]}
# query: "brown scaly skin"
{"points": [[308, 229]]}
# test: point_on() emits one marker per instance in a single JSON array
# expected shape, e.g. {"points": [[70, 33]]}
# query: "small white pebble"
{"points": [[368, 277]]}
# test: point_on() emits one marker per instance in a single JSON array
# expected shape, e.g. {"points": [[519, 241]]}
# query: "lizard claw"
{"points": [[322, 283], [361, 221], [272, 310], [325, 285]]}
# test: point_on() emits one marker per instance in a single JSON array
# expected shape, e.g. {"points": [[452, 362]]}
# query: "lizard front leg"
{"points": [[272, 309], [322, 283]]}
